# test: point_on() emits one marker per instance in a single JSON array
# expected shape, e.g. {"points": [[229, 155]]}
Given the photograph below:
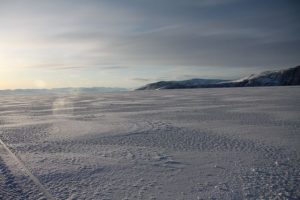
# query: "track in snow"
{"points": [[27, 172]]}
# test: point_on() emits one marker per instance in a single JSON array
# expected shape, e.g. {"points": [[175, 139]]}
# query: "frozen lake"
{"points": [[226, 143]]}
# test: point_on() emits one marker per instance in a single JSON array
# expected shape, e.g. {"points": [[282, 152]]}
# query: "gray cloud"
{"points": [[108, 34], [141, 79]]}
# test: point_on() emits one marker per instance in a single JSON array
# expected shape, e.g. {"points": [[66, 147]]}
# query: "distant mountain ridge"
{"points": [[283, 77], [65, 90]]}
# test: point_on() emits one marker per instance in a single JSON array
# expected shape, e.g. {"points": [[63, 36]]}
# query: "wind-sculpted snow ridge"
{"points": [[269, 78], [238, 143]]}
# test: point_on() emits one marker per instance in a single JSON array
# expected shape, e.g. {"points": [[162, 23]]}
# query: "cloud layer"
{"points": [[143, 34]]}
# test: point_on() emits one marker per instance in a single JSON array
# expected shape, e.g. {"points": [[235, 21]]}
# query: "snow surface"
{"points": [[223, 143]]}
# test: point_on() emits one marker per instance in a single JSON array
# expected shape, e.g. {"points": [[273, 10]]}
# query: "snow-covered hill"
{"points": [[289, 76], [192, 83]]}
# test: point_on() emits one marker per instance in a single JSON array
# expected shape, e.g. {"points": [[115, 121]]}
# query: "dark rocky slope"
{"points": [[284, 77]]}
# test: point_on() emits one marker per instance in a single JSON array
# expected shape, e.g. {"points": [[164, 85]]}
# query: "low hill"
{"points": [[283, 77]]}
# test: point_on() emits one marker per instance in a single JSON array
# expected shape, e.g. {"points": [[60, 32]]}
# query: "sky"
{"points": [[129, 43]]}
